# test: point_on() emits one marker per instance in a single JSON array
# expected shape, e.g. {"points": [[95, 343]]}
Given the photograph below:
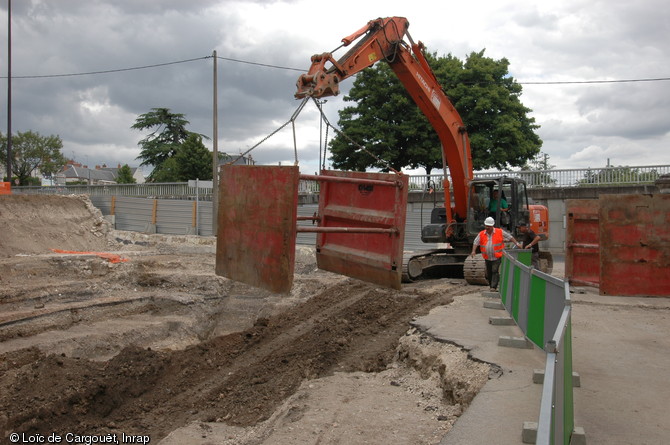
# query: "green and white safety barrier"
{"points": [[540, 306]]}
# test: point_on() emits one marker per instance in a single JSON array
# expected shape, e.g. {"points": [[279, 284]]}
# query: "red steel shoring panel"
{"points": [[582, 262], [376, 258], [257, 225], [635, 245]]}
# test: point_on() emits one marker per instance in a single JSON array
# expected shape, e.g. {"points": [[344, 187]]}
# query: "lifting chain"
{"points": [[356, 144], [291, 121]]}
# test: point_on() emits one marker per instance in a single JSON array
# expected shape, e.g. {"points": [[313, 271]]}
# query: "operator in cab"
{"points": [[495, 202], [491, 242]]}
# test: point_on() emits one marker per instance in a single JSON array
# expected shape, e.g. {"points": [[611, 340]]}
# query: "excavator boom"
{"points": [[383, 39]]}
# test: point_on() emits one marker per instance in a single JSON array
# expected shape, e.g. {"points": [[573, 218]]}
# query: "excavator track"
{"points": [[412, 268], [444, 261], [474, 270], [418, 264]]}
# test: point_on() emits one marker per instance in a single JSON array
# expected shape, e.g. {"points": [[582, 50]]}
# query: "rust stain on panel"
{"points": [[257, 225], [635, 245]]}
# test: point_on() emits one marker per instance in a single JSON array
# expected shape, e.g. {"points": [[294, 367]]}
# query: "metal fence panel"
{"points": [[205, 218], [175, 217], [103, 203], [140, 216], [133, 214]]}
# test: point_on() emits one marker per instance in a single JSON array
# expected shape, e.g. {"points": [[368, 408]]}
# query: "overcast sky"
{"points": [[582, 124]]}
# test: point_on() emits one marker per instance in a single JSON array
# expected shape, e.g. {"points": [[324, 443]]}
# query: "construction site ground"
{"points": [[151, 345], [148, 343]]}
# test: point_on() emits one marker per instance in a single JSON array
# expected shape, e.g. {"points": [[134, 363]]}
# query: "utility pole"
{"points": [[9, 90], [215, 152]]}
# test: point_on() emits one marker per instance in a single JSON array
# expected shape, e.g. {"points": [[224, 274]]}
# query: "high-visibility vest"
{"points": [[498, 243]]}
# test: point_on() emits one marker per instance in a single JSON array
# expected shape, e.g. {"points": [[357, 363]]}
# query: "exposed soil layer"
{"points": [[157, 342]]}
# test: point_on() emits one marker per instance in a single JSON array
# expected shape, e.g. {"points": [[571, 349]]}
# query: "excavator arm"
{"points": [[383, 39]]}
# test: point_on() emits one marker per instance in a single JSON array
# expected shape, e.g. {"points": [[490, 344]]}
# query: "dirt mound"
{"points": [[34, 224]]}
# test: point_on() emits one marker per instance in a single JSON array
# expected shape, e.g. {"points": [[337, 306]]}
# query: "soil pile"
{"points": [[32, 224]]}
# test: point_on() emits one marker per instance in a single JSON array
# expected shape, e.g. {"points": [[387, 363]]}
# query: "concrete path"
{"points": [[621, 350]]}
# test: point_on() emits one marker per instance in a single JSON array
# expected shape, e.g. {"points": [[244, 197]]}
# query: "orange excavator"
{"points": [[460, 220]]}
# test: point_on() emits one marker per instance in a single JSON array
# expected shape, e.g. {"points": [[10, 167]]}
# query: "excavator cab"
{"points": [[504, 199]]}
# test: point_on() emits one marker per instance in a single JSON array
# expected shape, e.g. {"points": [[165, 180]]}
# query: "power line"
{"points": [[577, 82], [158, 65], [261, 64]]}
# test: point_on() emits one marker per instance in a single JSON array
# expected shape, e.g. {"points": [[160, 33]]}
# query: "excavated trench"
{"points": [[159, 343]]}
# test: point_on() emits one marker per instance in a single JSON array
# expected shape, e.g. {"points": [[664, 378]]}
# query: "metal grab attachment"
{"points": [[360, 231]]}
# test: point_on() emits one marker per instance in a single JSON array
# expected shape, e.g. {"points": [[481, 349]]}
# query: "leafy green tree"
{"points": [[385, 120], [193, 159], [31, 152], [169, 133], [125, 175], [166, 173]]}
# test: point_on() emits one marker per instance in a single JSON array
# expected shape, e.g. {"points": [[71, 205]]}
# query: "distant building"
{"points": [[225, 158], [100, 175]]}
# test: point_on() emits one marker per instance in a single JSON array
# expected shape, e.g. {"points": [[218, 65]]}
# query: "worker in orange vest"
{"points": [[491, 242]]}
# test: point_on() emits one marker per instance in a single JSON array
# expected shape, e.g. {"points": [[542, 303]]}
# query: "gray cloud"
{"points": [[553, 40]]}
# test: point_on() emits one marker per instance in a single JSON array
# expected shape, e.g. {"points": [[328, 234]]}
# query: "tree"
{"points": [[169, 133], [166, 173], [386, 121], [31, 152], [125, 175], [193, 159]]}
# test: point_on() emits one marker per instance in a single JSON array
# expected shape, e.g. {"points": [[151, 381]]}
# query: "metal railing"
{"points": [[606, 176], [575, 177], [166, 190]]}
